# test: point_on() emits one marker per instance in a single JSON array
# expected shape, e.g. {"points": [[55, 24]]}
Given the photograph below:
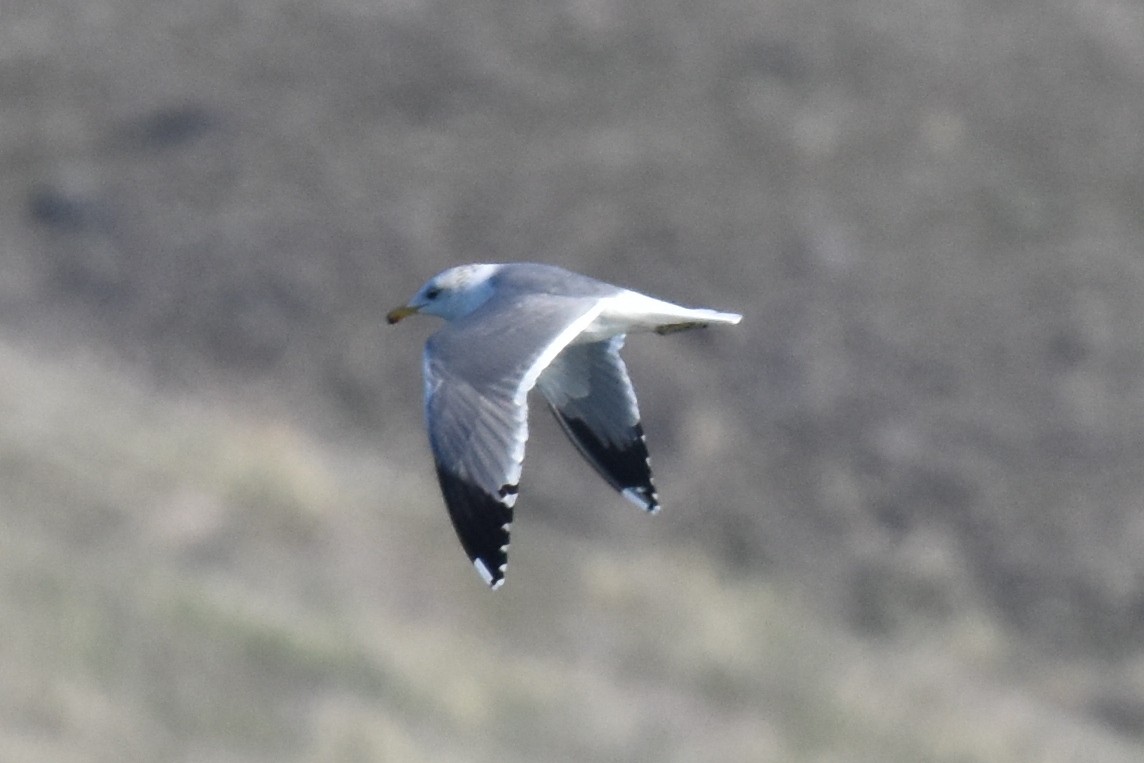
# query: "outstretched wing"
{"points": [[478, 372], [588, 389]]}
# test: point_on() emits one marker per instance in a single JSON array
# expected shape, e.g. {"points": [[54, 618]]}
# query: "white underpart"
{"points": [[630, 311]]}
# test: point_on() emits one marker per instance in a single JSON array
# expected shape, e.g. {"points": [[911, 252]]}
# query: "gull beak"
{"points": [[402, 312]]}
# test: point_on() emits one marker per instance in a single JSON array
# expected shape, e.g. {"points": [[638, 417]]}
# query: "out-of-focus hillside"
{"points": [[183, 583], [221, 526]]}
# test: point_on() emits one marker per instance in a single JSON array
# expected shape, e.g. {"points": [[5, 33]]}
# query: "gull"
{"points": [[512, 327]]}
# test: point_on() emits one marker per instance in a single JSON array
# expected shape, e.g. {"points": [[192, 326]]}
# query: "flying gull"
{"points": [[510, 328]]}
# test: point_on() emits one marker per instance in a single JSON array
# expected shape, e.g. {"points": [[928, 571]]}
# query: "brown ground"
{"points": [[902, 500]]}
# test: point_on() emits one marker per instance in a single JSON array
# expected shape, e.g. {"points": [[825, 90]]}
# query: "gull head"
{"points": [[451, 294]]}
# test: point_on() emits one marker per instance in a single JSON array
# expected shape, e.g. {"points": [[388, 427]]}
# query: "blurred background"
{"points": [[902, 500]]}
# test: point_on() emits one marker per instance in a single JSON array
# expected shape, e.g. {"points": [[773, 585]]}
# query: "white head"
{"points": [[451, 294]]}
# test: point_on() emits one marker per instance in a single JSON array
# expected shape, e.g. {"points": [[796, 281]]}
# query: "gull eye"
{"points": [[433, 293]]}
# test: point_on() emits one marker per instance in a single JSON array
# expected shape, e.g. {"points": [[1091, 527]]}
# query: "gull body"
{"points": [[511, 327]]}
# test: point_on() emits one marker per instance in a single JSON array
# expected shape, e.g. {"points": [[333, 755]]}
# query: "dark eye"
{"points": [[433, 293]]}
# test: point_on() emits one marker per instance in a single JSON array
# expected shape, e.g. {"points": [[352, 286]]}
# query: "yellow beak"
{"points": [[402, 312]]}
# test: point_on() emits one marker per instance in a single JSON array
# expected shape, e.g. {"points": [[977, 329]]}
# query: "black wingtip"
{"points": [[482, 522], [626, 466]]}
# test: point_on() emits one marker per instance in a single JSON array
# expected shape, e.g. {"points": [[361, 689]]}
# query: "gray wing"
{"points": [[478, 372], [588, 389]]}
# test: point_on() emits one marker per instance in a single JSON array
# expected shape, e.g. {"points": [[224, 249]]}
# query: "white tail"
{"points": [[631, 311]]}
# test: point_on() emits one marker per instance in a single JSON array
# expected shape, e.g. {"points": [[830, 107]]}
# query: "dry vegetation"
{"points": [[195, 586], [902, 500]]}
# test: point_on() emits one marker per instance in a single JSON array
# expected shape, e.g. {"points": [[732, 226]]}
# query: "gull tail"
{"points": [[696, 318]]}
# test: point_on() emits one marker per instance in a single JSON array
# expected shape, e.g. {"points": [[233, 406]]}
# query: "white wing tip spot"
{"points": [[644, 501], [483, 571], [508, 494], [487, 576]]}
